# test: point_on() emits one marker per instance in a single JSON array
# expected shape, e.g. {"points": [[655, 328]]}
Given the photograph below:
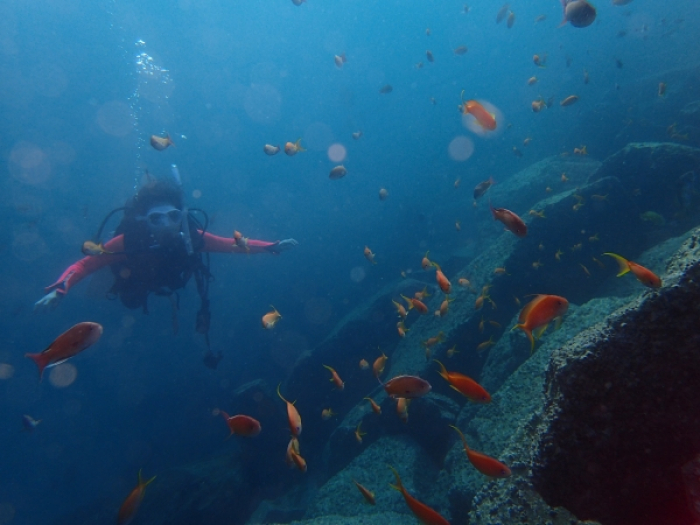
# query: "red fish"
{"points": [[293, 416], [132, 502], [335, 378], [465, 385], [485, 119], [415, 303], [409, 387], [643, 275], [242, 425], [425, 514], [510, 220], [442, 281], [539, 312], [368, 495], [483, 463], [69, 343]]}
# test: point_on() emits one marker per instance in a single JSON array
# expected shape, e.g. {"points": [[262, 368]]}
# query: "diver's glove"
{"points": [[48, 303], [281, 246]]}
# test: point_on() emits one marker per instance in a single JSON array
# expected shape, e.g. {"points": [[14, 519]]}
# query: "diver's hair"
{"points": [[157, 192]]}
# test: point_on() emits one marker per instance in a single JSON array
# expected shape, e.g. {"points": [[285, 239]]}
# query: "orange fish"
{"points": [[364, 365], [425, 514], [539, 62], [161, 143], [452, 351], [442, 281], [531, 81], [369, 496], [510, 220], [444, 307], [538, 105], [425, 262], [359, 433], [483, 187], [415, 303], [401, 329], [327, 413], [71, 342], [369, 255], [293, 416], [400, 309], [485, 344], [583, 151], [434, 340], [409, 387], [485, 119], [335, 378], [292, 448], [464, 385], [571, 99], [375, 407], [379, 364], [643, 275], [402, 408], [292, 148], [132, 502], [297, 460], [464, 283], [539, 312], [269, 320], [422, 294], [483, 463], [242, 425]]}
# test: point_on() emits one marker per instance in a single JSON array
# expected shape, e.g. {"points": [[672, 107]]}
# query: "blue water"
{"points": [[76, 114]]}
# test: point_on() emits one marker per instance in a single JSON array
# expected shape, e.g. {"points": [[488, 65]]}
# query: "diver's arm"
{"points": [[214, 243], [87, 265]]}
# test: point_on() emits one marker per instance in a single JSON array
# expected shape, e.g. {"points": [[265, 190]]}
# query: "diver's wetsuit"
{"points": [[87, 265]]}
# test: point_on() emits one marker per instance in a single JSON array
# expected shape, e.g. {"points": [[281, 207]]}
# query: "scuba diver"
{"points": [[156, 248]]}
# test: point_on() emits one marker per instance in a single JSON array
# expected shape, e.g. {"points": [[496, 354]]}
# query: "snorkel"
{"points": [[185, 221]]}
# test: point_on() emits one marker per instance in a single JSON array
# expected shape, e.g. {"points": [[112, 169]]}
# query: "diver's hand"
{"points": [[48, 303], [284, 245]]}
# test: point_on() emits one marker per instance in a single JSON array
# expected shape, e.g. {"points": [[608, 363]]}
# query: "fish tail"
{"points": [[40, 362], [622, 263], [443, 371], [224, 415], [279, 394], [461, 435], [298, 146], [399, 485]]}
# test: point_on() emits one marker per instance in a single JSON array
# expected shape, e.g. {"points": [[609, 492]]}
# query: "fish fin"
{"points": [[443, 371], [621, 261], [39, 360], [170, 141], [539, 332], [528, 332], [298, 146]]}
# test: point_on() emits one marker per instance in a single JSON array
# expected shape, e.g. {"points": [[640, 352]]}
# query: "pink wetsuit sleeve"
{"points": [[87, 265], [214, 243]]}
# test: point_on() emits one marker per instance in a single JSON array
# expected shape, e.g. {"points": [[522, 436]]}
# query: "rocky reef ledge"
{"points": [[620, 416]]}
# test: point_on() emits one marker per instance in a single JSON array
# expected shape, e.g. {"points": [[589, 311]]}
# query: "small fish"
{"points": [[356, 135], [444, 307], [269, 149], [429, 56], [297, 460], [369, 496], [600, 198], [402, 408], [483, 187], [359, 433], [585, 270], [401, 329], [539, 61], [92, 249], [537, 264], [583, 151], [70, 343], [502, 12], [585, 76], [495, 324], [662, 89], [375, 407], [442, 281], [517, 152], [539, 214], [532, 81], [485, 119], [339, 60], [292, 448], [527, 141], [425, 263], [419, 65], [293, 417], [558, 255], [432, 341], [292, 148], [571, 99], [577, 247], [424, 513], [400, 309], [409, 387], [383, 194], [386, 89], [540, 18], [510, 220], [458, 226], [593, 238], [452, 351], [416, 303], [427, 31], [579, 13], [364, 365], [338, 172], [483, 463], [29, 423], [379, 364], [464, 282], [327, 413], [132, 502], [599, 263], [461, 50], [485, 344], [161, 143], [511, 19], [538, 105], [464, 385], [500, 271], [457, 182], [242, 425], [643, 275], [564, 178], [270, 319], [335, 378], [369, 255], [240, 241], [540, 312]]}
